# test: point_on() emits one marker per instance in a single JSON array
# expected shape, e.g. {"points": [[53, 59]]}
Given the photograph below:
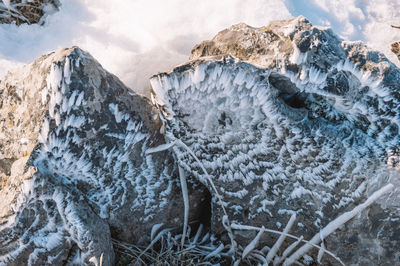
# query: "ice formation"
{"points": [[84, 138], [286, 119], [277, 122]]}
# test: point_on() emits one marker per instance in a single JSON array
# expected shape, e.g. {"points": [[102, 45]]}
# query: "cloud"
{"points": [[164, 32]]}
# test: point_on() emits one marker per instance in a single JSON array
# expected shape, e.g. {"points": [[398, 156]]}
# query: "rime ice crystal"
{"points": [[292, 116], [84, 137]]}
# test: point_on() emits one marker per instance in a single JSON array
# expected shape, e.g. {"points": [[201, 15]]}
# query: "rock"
{"points": [[27, 12], [44, 223], [288, 119], [74, 168], [396, 49]]}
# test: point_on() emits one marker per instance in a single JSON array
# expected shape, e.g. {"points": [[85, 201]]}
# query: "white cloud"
{"points": [[160, 34]]}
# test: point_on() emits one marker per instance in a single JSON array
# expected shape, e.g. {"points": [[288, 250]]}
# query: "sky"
{"points": [[136, 39]]}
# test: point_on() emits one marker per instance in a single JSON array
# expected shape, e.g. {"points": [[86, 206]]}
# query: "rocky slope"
{"points": [[73, 164], [288, 119]]}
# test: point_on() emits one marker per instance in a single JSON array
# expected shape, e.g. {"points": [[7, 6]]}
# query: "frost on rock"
{"points": [[85, 137], [288, 119]]}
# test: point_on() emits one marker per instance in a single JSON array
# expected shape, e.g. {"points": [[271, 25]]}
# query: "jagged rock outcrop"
{"points": [[29, 12], [73, 165], [287, 119]]}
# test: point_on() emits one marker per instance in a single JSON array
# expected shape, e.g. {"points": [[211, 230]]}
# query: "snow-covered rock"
{"points": [[73, 165], [29, 12], [287, 119]]}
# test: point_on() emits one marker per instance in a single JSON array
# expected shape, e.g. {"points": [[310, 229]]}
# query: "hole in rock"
{"points": [[224, 120], [296, 100], [288, 91], [203, 213]]}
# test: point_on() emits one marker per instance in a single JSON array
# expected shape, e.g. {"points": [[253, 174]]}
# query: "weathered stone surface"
{"points": [[396, 49], [73, 164], [29, 12], [297, 121]]}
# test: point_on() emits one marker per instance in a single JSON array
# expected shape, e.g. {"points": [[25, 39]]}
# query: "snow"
{"points": [[134, 45]]}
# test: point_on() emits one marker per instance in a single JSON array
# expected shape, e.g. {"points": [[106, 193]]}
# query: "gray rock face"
{"points": [[27, 12], [73, 166], [288, 119]]}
